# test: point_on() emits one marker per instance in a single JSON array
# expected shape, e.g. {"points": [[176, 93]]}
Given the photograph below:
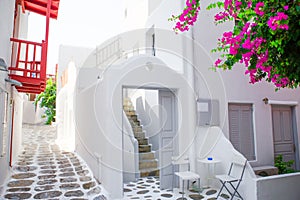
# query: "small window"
{"points": [[241, 132], [153, 44]]}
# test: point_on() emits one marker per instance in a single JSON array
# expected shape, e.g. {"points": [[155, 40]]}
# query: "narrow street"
{"points": [[43, 171]]}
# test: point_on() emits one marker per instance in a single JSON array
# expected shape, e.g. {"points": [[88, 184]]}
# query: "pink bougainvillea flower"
{"points": [[286, 7], [233, 50], [221, 15], [284, 27], [247, 44], [249, 4], [275, 22], [281, 16], [258, 8], [238, 5], [218, 61], [272, 23]]}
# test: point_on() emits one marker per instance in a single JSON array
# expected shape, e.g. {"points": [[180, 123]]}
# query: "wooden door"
{"points": [[283, 133]]}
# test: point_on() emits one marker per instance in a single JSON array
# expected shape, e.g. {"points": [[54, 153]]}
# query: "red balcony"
{"points": [[29, 67], [29, 59]]}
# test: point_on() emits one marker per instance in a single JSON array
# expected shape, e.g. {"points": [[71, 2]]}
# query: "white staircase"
{"points": [[148, 164]]}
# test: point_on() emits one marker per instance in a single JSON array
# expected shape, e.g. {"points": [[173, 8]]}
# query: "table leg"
{"points": [[182, 189], [199, 185]]}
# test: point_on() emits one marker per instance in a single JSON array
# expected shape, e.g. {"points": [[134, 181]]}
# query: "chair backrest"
{"points": [[181, 160], [238, 166]]}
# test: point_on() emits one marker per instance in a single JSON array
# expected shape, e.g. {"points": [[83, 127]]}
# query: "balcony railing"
{"points": [[28, 65]]}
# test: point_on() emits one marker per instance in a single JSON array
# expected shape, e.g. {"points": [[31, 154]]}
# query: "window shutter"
{"points": [[241, 129]]}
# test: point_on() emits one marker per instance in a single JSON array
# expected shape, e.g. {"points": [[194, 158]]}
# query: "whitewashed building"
{"points": [[22, 70], [194, 111]]}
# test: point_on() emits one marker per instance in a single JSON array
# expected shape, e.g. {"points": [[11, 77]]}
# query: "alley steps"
{"points": [[149, 172], [148, 165], [144, 148], [147, 155], [143, 141]]}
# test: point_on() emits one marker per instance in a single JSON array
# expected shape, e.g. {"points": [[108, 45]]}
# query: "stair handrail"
{"points": [[109, 52], [129, 133]]}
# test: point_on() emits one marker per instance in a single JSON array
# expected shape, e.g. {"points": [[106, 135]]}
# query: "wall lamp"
{"points": [[3, 65], [266, 100], [13, 82]]}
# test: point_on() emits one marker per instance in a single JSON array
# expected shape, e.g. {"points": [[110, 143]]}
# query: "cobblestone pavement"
{"points": [[43, 171], [149, 189]]}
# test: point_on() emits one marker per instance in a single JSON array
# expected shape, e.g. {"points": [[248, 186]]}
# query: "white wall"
{"points": [[65, 111], [130, 153], [135, 14], [234, 87], [285, 186], [99, 115], [67, 54], [7, 8], [29, 112], [17, 125], [4, 136], [6, 26], [152, 5]]}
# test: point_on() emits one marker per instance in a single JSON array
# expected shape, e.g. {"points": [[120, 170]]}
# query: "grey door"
{"points": [[283, 134], [167, 144]]}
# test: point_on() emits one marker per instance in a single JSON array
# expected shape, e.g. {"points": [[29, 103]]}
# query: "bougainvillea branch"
{"points": [[265, 37]]}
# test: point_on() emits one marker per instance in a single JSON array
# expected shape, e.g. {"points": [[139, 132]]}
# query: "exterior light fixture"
{"points": [[3, 66], [266, 100], [13, 82]]}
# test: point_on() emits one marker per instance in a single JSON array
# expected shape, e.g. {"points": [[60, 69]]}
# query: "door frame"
{"points": [[296, 141], [145, 87]]}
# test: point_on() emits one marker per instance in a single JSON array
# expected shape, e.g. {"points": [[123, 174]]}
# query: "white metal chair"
{"points": [[234, 176], [184, 175]]}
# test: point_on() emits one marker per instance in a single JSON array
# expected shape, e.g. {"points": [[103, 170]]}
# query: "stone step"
{"points": [[137, 129], [127, 101], [146, 156], [265, 170], [139, 135], [135, 123], [146, 164], [144, 148], [129, 112], [128, 107], [149, 172], [143, 141], [133, 117]]}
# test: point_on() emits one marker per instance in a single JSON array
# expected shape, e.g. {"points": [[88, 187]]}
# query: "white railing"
{"points": [[108, 53], [131, 154]]}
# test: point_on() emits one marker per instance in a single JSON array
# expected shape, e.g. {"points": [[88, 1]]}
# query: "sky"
{"points": [[80, 23]]}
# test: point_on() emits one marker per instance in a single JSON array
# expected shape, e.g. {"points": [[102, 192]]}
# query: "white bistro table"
{"points": [[210, 165]]}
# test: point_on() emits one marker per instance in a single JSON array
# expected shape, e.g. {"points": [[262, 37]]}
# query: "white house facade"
{"points": [[194, 111]]}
